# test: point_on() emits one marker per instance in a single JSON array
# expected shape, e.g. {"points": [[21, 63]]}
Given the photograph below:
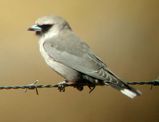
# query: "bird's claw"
{"points": [[91, 88], [61, 86], [79, 87]]}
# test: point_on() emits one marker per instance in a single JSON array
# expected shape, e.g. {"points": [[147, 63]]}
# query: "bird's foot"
{"points": [[61, 86], [91, 87], [78, 86]]}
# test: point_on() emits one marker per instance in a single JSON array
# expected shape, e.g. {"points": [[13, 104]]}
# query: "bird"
{"points": [[71, 57]]}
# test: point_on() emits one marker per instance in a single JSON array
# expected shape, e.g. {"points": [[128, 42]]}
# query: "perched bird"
{"points": [[71, 57]]}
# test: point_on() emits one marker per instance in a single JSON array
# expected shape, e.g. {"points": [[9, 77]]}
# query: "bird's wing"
{"points": [[69, 50]]}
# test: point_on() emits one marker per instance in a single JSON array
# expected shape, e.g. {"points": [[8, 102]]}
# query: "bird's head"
{"points": [[47, 24]]}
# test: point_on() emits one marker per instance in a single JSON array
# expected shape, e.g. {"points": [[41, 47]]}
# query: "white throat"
{"points": [[49, 35]]}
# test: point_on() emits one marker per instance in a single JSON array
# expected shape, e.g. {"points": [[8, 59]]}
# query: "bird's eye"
{"points": [[45, 27]]}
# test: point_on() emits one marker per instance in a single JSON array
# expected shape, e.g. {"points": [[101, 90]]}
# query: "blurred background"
{"points": [[123, 33]]}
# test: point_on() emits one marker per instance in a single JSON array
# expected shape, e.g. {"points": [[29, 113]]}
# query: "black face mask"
{"points": [[44, 29]]}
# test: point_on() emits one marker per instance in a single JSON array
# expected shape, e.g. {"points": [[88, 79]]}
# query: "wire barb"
{"points": [[32, 86]]}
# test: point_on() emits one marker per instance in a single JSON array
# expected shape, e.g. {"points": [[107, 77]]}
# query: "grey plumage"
{"points": [[72, 58]]}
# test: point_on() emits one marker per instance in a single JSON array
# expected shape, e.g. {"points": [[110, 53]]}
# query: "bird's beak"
{"points": [[34, 28]]}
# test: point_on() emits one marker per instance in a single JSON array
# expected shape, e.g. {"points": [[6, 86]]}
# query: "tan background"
{"points": [[124, 33]]}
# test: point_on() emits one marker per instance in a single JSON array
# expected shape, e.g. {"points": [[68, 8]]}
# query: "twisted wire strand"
{"points": [[152, 83], [34, 85]]}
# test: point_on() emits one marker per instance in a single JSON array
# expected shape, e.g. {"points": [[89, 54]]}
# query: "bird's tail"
{"points": [[130, 92], [125, 89]]}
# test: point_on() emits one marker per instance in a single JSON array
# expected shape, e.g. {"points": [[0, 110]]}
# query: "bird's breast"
{"points": [[67, 72]]}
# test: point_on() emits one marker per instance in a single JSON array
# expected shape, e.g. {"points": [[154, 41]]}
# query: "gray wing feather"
{"points": [[79, 57], [75, 55], [69, 50]]}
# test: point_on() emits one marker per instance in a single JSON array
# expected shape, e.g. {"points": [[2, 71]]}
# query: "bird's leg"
{"points": [[90, 82], [91, 88], [79, 86], [92, 85], [61, 86]]}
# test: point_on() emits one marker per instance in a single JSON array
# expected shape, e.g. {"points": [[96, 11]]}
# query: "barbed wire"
{"points": [[152, 83], [61, 86]]}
